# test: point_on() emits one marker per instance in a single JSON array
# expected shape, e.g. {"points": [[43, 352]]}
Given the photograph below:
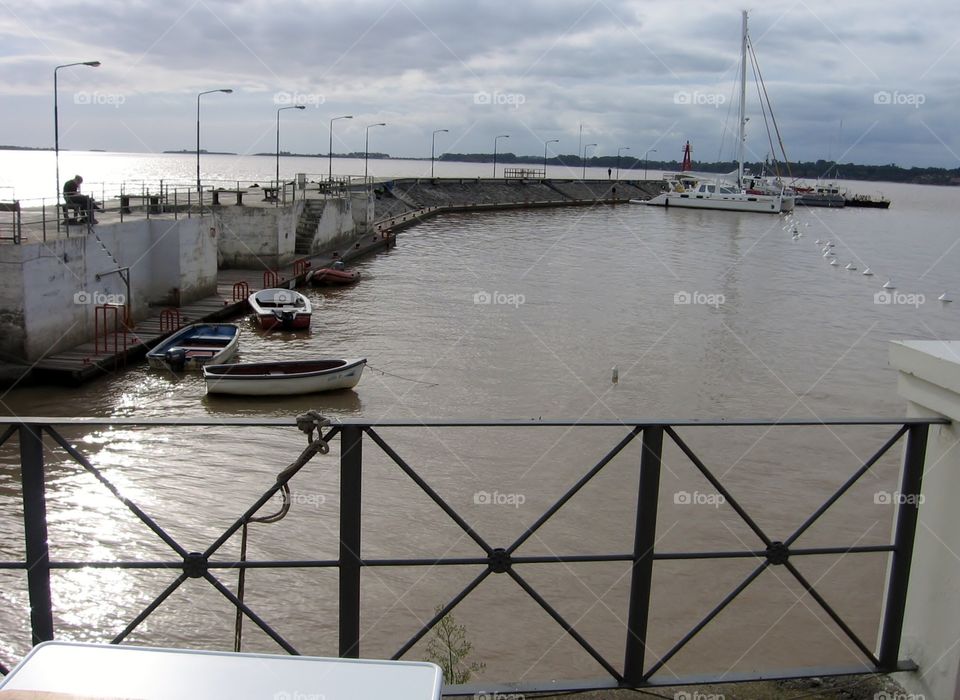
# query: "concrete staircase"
{"points": [[307, 225]]}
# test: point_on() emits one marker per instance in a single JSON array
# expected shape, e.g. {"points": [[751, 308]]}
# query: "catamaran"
{"points": [[745, 192]]}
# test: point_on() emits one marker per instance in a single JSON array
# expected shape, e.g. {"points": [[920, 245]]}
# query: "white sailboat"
{"points": [[715, 192]]}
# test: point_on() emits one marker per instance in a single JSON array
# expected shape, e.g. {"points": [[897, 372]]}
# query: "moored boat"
{"points": [[283, 378], [280, 308], [194, 346], [865, 200], [333, 276], [821, 196], [737, 191]]}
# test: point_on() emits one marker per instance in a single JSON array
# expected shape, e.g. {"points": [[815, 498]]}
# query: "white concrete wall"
{"points": [[336, 225], [257, 237], [49, 290], [930, 381], [11, 303]]}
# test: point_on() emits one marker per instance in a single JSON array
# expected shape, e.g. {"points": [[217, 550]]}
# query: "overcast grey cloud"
{"points": [[639, 74]]}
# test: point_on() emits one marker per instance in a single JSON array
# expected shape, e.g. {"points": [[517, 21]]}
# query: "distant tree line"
{"points": [[821, 169]]}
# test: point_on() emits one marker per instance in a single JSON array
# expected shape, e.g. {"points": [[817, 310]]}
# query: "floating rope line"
{"points": [[308, 423], [408, 379]]}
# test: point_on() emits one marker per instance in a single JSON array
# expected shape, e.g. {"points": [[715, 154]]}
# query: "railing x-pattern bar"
{"points": [[640, 662]]}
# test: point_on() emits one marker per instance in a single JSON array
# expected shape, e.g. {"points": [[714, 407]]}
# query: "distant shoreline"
{"points": [[806, 171]]}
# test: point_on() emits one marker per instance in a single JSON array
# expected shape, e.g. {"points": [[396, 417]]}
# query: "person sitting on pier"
{"points": [[73, 198]]}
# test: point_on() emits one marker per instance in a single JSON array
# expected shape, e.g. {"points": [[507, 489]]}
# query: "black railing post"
{"points": [[643, 543], [35, 532], [900, 559], [351, 463]]}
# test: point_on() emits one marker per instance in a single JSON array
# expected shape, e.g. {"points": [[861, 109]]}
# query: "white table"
{"points": [[108, 670]]}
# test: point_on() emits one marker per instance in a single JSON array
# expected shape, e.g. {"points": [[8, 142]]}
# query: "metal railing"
{"points": [[640, 664]]}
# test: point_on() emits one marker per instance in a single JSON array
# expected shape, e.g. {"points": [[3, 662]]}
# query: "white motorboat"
{"points": [[194, 346], [283, 378], [280, 308]]}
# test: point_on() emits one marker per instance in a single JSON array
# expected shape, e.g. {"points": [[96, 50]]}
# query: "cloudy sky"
{"points": [[866, 82]]}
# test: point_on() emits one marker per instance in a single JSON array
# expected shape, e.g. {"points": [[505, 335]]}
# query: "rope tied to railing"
{"points": [[308, 423]]}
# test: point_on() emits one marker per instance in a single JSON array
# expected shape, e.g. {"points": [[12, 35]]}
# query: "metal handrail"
{"points": [[639, 666]]}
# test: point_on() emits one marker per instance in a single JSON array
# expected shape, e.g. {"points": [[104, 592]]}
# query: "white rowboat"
{"points": [[283, 378], [194, 346]]}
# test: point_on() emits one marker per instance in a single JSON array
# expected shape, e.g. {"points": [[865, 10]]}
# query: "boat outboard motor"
{"points": [[339, 265], [286, 319], [176, 358]]}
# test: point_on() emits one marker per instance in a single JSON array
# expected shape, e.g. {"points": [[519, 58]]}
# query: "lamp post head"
{"points": [[299, 106], [92, 64], [226, 90]]}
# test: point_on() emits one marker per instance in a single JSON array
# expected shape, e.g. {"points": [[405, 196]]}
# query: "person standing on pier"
{"points": [[72, 196]]}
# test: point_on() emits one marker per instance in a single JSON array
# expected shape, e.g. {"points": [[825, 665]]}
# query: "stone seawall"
{"points": [[403, 196]]}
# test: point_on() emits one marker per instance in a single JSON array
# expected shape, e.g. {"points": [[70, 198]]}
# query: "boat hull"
{"points": [[765, 204], [270, 322], [869, 203], [280, 309], [283, 378], [819, 200], [190, 348], [329, 277]]}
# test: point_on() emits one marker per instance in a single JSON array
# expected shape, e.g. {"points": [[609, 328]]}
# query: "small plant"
{"points": [[448, 647]]}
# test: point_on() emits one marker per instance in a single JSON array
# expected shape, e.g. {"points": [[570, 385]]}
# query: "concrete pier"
{"points": [[76, 306]]}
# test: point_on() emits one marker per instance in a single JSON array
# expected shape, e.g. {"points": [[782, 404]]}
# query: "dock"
{"points": [[397, 205], [119, 347]]}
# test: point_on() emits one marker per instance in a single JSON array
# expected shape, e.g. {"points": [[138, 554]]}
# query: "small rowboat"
{"points": [[194, 346], [334, 276], [280, 308], [283, 378]]}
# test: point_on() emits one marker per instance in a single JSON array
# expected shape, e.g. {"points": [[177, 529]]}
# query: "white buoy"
{"points": [[945, 298], [850, 266], [868, 272], [889, 285], [615, 375], [833, 261]]}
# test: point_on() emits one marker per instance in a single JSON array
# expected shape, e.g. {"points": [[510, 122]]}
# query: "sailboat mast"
{"points": [[743, 99]]}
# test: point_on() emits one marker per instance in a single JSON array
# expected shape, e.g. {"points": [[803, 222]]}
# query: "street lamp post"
{"points": [[56, 125], [278, 139], [646, 153], [366, 148], [205, 92], [545, 155], [495, 139], [622, 148], [433, 144], [583, 173], [330, 149]]}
